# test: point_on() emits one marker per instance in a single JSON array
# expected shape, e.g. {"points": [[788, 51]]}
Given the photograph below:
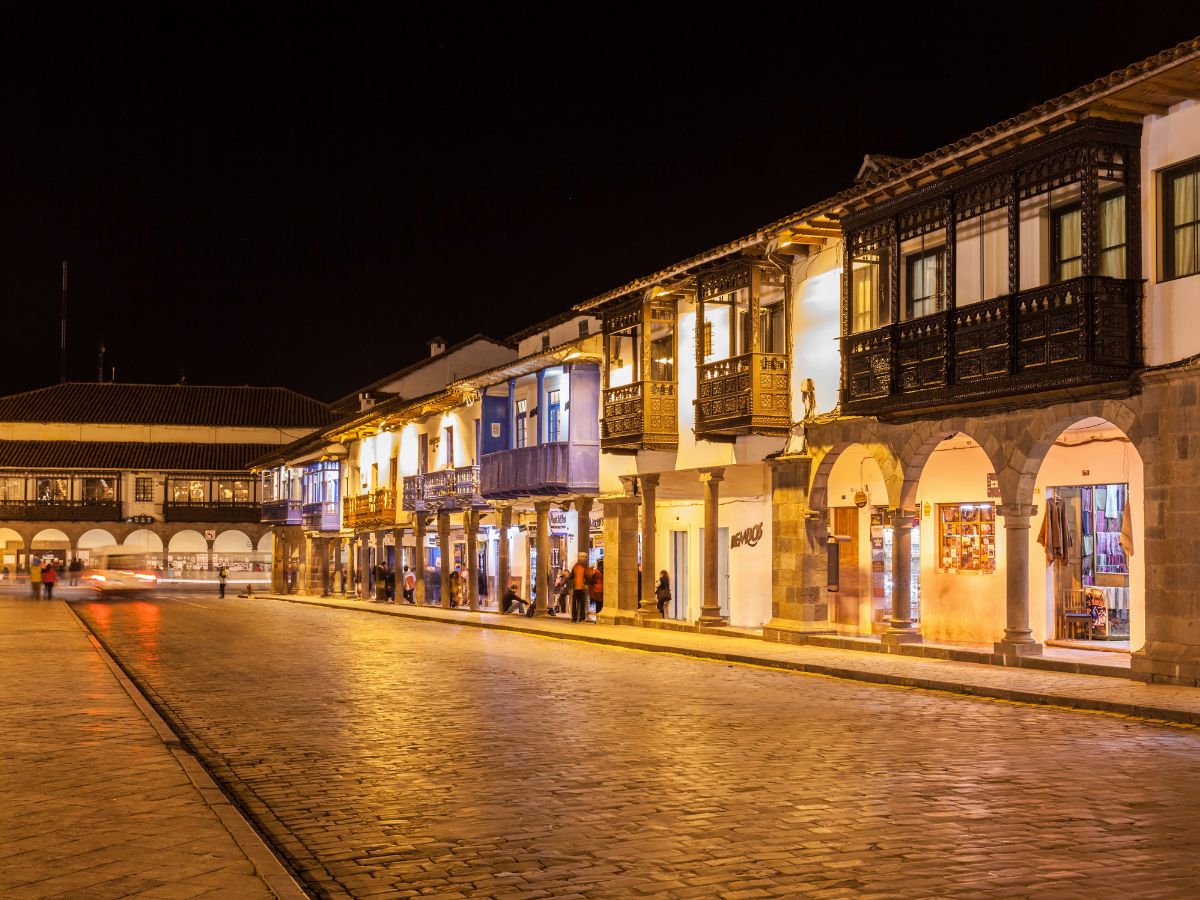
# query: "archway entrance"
{"points": [[12, 553], [90, 540], [51, 545], [1087, 578]]}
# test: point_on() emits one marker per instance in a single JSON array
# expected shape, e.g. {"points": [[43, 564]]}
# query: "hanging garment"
{"points": [[1112, 509], [1087, 545], [1127, 531], [1055, 535]]}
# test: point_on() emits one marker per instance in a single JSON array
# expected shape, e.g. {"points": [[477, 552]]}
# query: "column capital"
{"points": [[649, 480], [1016, 514], [713, 474], [542, 506], [629, 484]]}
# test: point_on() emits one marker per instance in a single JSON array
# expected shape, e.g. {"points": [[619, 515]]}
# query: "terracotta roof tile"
{"points": [[126, 455]]}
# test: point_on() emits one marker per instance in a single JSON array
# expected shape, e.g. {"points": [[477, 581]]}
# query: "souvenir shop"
{"points": [[1087, 533]]}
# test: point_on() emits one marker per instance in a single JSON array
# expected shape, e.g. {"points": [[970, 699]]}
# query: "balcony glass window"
{"points": [[553, 413], [448, 442], [49, 489], [1068, 243], [188, 491], [981, 257], [1112, 236], [237, 491], [721, 316], [143, 489], [624, 357], [12, 490], [772, 330], [99, 489], [1181, 221], [869, 302], [662, 352], [925, 283], [522, 420]]}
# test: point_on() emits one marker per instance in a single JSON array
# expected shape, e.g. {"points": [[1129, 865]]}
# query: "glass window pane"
{"points": [[1185, 251]]}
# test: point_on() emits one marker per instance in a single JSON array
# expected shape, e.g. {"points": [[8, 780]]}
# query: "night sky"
{"points": [[306, 197]]}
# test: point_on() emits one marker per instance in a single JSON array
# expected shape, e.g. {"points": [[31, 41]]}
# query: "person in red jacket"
{"points": [[49, 576], [596, 587]]}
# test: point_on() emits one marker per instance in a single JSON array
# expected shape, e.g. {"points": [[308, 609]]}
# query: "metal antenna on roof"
{"points": [[62, 330]]}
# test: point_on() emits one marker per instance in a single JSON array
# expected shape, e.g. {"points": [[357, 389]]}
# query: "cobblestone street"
{"points": [[387, 756]]}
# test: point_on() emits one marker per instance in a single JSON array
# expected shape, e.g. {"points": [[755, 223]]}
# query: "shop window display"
{"points": [[967, 537]]}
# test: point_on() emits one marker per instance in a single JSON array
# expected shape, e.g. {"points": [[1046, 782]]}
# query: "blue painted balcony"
{"points": [[280, 512], [321, 516], [545, 469]]}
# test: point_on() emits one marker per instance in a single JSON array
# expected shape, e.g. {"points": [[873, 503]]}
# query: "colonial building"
{"points": [[158, 470]]}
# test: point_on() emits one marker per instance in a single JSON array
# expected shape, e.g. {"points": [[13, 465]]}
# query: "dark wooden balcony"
{"points": [[747, 394], [558, 468], [1084, 331], [321, 516], [61, 510], [280, 512], [413, 496], [211, 512], [641, 416], [451, 488], [374, 510]]}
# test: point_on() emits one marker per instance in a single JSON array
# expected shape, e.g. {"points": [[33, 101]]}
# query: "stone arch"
{"points": [[925, 437], [46, 535], [877, 448], [144, 540], [187, 540], [232, 541], [1046, 425], [93, 538], [266, 543]]}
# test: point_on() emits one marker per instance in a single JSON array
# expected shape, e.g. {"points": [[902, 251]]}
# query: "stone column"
{"points": [[1018, 637], [210, 554], [470, 527], [503, 555], [325, 545], [419, 558], [339, 548], [901, 629], [443, 527], [542, 508], [648, 606], [799, 606], [620, 560], [710, 609]]}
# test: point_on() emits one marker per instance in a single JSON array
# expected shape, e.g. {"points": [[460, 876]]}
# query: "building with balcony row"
{"points": [[155, 470], [940, 371]]}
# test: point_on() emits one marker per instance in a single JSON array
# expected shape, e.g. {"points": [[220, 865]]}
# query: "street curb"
{"points": [[1034, 698], [267, 865]]}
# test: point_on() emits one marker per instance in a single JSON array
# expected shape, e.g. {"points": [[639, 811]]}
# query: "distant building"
{"points": [[159, 470]]}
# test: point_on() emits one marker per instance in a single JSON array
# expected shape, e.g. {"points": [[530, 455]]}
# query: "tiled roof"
{"points": [[166, 404], [125, 455]]}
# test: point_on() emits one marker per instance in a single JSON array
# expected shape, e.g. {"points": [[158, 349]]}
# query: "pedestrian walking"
{"points": [[456, 586], [662, 593], [410, 586], [75, 568], [580, 575], [596, 588], [35, 578], [49, 577], [222, 577], [389, 581]]}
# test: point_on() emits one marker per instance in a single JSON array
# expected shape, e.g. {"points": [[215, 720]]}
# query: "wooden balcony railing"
{"points": [[451, 488], [374, 510], [61, 510], [559, 468], [747, 394], [211, 511], [641, 416], [1077, 332], [413, 496], [280, 512], [321, 516]]}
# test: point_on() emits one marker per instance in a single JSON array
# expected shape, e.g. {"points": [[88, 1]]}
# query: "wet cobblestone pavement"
{"points": [[391, 757]]}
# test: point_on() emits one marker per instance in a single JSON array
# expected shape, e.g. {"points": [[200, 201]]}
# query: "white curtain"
{"points": [[1112, 236], [1069, 246], [1186, 210]]}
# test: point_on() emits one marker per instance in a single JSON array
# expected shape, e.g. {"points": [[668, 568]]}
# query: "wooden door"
{"points": [[846, 602]]}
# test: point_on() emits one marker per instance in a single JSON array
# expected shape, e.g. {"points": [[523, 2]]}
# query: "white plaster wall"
{"points": [[816, 326], [559, 334], [1105, 463], [965, 606], [1172, 328], [439, 371]]}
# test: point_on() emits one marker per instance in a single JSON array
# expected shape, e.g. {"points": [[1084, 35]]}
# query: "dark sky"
{"points": [[303, 197]]}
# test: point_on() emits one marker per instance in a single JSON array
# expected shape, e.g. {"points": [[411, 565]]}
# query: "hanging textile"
{"points": [[1127, 531], [1055, 535]]}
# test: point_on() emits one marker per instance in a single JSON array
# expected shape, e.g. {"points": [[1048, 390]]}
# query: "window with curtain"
{"points": [[100, 488], [1112, 236], [1068, 243], [867, 301], [522, 416], [50, 489], [926, 283], [235, 491], [12, 489], [662, 357], [1181, 221], [771, 336]]}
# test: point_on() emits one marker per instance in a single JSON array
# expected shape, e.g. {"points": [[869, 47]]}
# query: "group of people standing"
{"points": [[43, 576], [577, 589], [383, 580]]}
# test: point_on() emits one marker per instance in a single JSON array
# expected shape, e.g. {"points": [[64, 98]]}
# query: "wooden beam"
{"points": [[1137, 106], [1179, 86]]}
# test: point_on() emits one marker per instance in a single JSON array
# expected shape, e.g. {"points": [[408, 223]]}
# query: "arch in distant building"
{"points": [[266, 543], [187, 541], [232, 541], [93, 538], [143, 540]]}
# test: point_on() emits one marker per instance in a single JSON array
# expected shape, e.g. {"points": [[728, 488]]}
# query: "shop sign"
{"points": [[748, 537], [558, 521], [993, 485], [597, 523], [210, 535]]}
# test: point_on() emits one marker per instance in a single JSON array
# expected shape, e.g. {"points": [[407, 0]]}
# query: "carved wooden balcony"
{"points": [[548, 469], [747, 394], [641, 416], [451, 488], [374, 510], [1085, 331], [217, 511], [321, 516], [62, 510], [413, 496], [280, 512]]}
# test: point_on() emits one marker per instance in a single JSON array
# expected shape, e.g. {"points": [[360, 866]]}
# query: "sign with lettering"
{"points": [[993, 485], [748, 537], [558, 521]]}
